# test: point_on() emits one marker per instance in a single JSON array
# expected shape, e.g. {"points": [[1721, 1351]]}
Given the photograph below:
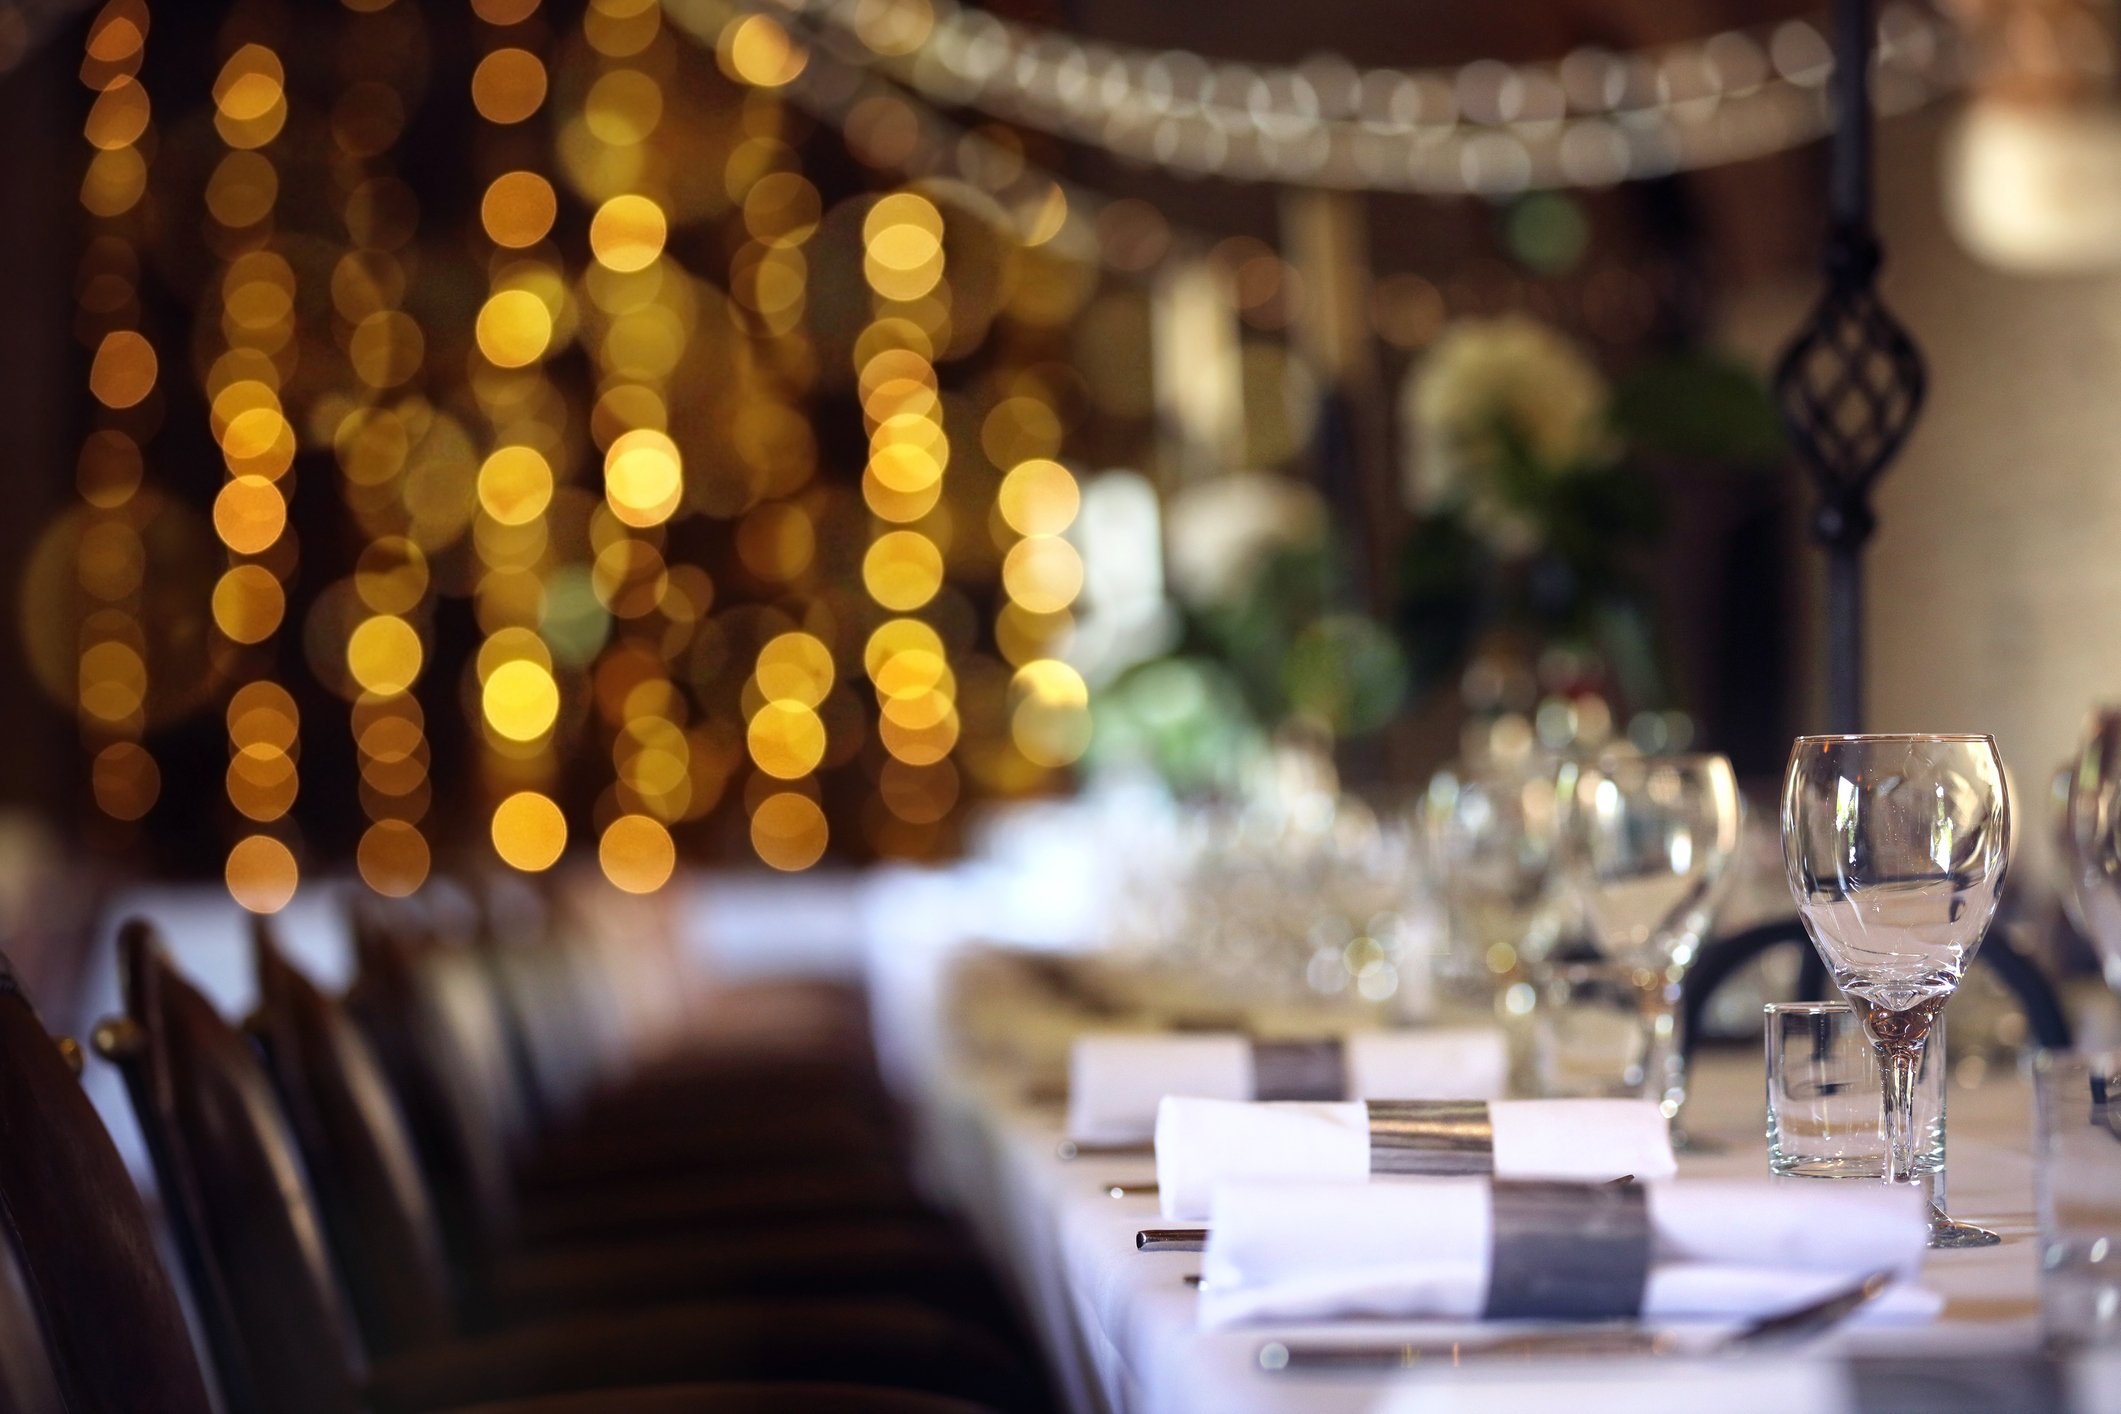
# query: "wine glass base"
{"points": [[1950, 1232]]}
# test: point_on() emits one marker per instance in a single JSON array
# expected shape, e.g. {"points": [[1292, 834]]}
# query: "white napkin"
{"points": [[1290, 1251], [1115, 1081], [1200, 1143]]}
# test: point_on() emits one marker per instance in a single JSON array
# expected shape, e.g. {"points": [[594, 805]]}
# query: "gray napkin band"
{"points": [[1431, 1137], [1567, 1251], [1299, 1070]]}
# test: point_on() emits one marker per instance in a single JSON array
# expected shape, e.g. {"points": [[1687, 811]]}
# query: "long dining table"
{"points": [[1120, 1325]]}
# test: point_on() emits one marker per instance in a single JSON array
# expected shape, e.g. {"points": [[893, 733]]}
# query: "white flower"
{"points": [[1485, 380], [1222, 530]]}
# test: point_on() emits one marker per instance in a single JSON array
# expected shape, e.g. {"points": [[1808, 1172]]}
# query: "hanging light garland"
{"points": [[520, 324], [392, 448], [251, 426], [1590, 119], [112, 680], [641, 332]]}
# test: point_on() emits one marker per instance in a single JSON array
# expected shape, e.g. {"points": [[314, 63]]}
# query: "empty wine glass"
{"points": [[1646, 842], [2091, 841], [1490, 832], [1896, 848]]}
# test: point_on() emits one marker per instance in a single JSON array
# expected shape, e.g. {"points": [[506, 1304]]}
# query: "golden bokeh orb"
{"points": [[514, 328], [384, 655], [789, 832], [903, 570], [643, 477], [518, 209], [261, 874], [393, 858], [515, 484], [520, 700], [529, 831], [786, 739], [627, 233], [637, 854]]}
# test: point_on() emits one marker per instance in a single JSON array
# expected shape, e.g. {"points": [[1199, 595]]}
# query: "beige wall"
{"points": [[1995, 597]]}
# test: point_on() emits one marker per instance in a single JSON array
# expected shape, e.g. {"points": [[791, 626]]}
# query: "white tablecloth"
{"points": [[1120, 1324]]}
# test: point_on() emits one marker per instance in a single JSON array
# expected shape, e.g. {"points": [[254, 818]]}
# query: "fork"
{"points": [[1782, 1329]]}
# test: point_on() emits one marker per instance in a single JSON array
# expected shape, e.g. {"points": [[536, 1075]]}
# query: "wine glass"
{"points": [[2091, 841], [1490, 832], [1646, 844], [1896, 848]]}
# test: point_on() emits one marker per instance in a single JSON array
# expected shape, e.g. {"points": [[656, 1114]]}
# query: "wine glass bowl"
{"points": [[1645, 843], [1896, 849], [2091, 841], [1490, 832]]}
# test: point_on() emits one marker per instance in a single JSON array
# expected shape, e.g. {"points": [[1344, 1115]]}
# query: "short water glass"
{"points": [[1594, 1037], [2077, 1152], [1825, 1114]]}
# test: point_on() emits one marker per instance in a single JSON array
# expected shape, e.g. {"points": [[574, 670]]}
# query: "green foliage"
{"points": [[1587, 530], [1699, 407]]}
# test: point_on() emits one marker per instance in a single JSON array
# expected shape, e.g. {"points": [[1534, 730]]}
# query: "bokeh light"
{"points": [[789, 831], [384, 654], [261, 874], [627, 233], [636, 854], [520, 700], [393, 858], [786, 739], [643, 477], [529, 831], [518, 209]]}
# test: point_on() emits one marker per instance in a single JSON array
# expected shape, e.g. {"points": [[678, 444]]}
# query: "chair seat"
{"points": [[888, 1345], [917, 1262], [717, 1147], [690, 1205]]}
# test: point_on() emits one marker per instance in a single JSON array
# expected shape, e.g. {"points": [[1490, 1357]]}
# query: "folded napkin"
{"points": [[1200, 1143], [1115, 1081], [1468, 1248]]}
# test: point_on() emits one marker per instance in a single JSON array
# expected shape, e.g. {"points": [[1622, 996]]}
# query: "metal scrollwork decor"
{"points": [[1851, 383]]}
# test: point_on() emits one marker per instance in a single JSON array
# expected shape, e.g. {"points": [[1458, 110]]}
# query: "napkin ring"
{"points": [[1566, 1251], [1299, 1070], [1431, 1137]]}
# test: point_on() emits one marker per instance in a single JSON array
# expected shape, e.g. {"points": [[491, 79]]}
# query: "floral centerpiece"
{"points": [[1530, 477]]}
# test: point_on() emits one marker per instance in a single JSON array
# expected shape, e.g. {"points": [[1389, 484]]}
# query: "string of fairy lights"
{"points": [[518, 691], [594, 421], [1590, 118], [111, 653], [387, 440], [255, 329]]}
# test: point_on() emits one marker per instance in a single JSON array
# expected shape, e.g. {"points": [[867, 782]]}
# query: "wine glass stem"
{"points": [[1899, 1063], [1663, 1078]]}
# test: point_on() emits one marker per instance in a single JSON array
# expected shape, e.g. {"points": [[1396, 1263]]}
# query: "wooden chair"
{"points": [[254, 1235], [92, 1324], [427, 1048], [89, 1321]]}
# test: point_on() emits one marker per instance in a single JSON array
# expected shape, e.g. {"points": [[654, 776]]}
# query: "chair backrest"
{"points": [[239, 1201], [370, 1191], [439, 1077], [558, 1004], [77, 1255], [28, 1383]]}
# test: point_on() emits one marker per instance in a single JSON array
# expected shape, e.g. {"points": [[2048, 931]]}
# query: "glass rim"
{"points": [[1601, 761], [1989, 737], [1806, 1009]]}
